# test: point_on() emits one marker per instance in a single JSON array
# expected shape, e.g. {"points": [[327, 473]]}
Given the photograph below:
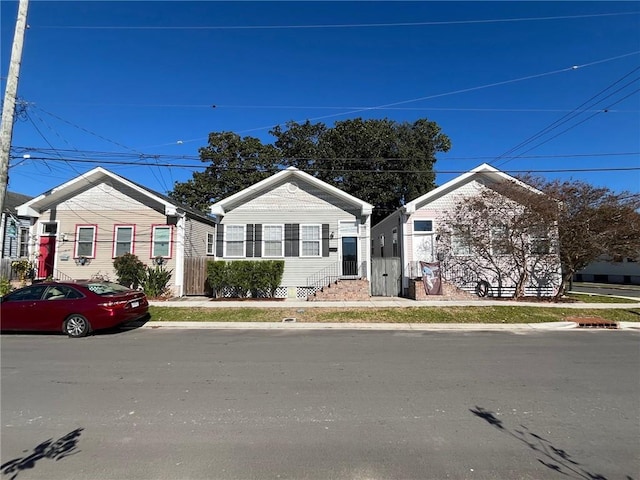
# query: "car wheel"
{"points": [[77, 326]]}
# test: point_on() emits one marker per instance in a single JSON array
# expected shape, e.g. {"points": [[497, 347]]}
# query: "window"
{"points": [[49, 228], [161, 243], [85, 241], [234, 240], [394, 242], [24, 242], [423, 226], [460, 241], [382, 246], [211, 244], [310, 240], [123, 240], [30, 293], [499, 240], [539, 240], [272, 238]]}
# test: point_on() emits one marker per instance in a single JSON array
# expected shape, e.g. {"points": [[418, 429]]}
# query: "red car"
{"points": [[75, 308]]}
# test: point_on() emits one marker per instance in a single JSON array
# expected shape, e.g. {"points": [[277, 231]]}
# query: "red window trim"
{"points": [[94, 241]]}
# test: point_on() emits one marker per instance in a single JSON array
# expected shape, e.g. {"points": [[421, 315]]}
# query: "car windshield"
{"points": [[106, 288]]}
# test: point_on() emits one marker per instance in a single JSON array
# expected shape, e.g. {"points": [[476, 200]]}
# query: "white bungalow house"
{"points": [[320, 232], [78, 228], [411, 234]]}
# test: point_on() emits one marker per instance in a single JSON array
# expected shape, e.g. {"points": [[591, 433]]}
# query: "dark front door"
{"points": [[349, 256]]}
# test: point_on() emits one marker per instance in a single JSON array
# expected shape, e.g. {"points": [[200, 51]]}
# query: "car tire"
{"points": [[482, 288], [76, 326]]}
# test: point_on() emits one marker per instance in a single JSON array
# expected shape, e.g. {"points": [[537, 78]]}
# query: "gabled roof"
{"points": [[483, 171], [218, 208], [57, 194], [13, 199]]}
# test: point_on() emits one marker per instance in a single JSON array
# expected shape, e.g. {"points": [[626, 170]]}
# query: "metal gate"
{"points": [[195, 276], [386, 277]]}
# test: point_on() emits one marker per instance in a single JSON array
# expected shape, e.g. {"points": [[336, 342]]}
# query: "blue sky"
{"points": [[554, 85]]}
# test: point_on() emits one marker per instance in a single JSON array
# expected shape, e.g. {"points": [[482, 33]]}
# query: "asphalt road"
{"points": [[611, 289], [194, 404]]}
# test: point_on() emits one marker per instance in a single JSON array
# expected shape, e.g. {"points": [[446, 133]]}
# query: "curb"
{"points": [[363, 326]]}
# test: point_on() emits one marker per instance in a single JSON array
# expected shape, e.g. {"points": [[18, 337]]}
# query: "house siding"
{"points": [[195, 238], [435, 209], [104, 206], [300, 203]]}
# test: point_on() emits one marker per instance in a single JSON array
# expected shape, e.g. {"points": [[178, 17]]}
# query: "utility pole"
{"points": [[9, 108]]}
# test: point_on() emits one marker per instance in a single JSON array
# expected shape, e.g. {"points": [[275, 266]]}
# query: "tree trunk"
{"points": [[565, 279]]}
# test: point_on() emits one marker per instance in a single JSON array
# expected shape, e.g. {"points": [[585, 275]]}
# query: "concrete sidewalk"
{"points": [[381, 302]]}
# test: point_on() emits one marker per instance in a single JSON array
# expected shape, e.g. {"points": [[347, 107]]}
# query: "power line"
{"points": [[161, 180], [429, 97], [17, 150], [320, 26], [570, 115], [172, 165], [325, 107]]}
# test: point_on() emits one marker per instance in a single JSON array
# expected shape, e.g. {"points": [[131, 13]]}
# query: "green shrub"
{"points": [[23, 269], [155, 281], [5, 286], [244, 278], [130, 270], [216, 275]]}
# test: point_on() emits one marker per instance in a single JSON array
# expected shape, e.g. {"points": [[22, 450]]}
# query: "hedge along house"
{"points": [[412, 234], [319, 231], [80, 227]]}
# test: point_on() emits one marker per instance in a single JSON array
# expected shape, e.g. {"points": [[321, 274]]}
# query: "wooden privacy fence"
{"points": [[5, 269], [386, 277], [195, 276]]}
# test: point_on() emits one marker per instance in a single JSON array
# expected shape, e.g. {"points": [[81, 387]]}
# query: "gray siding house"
{"points": [[319, 231], [14, 228], [78, 229]]}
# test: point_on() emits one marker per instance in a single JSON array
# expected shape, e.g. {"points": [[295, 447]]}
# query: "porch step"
{"points": [[342, 290]]}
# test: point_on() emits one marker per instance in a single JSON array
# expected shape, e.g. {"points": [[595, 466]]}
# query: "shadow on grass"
{"points": [[53, 450], [554, 458]]}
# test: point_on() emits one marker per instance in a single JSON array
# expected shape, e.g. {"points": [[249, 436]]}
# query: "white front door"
{"points": [[423, 248]]}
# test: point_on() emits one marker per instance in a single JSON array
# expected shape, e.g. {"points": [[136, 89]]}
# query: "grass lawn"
{"points": [[489, 314]]}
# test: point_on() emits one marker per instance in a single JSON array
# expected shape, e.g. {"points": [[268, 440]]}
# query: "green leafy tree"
{"points": [[381, 161], [234, 163]]}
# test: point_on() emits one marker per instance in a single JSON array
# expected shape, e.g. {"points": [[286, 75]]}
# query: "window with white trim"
{"points": [[123, 240], [24, 242], [273, 240], [234, 240], [423, 226], [49, 228], [310, 240], [539, 240], [499, 240], [211, 243], [460, 241], [86, 241], [161, 242]]}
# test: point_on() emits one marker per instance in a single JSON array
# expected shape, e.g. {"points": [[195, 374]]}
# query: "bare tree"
{"points": [[502, 237], [593, 223]]}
